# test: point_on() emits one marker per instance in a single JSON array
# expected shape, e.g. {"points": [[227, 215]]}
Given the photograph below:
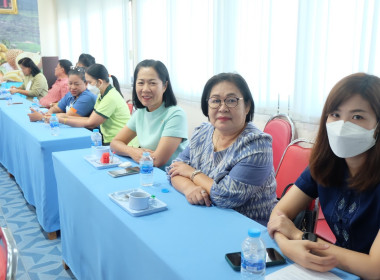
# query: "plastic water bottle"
{"points": [[54, 125], [9, 99], [146, 170], [36, 102], [253, 257], [96, 138]]}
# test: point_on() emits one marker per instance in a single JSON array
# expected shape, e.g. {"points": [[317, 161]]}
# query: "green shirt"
{"points": [[164, 121], [38, 85], [114, 109]]}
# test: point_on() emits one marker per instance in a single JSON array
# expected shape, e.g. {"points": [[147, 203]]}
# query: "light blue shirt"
{"points": [[162, 122]]}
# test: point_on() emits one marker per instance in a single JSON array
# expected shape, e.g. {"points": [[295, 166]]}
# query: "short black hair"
{"points": [[235, 79], [27, 62], [168, 97], [86, 59], [65, 64]]}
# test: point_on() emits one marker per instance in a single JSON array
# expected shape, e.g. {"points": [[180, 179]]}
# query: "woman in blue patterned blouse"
{"points": [[228, 162]]}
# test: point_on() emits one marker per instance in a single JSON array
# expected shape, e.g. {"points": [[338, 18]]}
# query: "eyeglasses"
{"points": [[230, 102]]}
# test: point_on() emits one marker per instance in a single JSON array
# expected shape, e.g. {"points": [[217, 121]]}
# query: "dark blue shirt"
{"points": [[353, 217], [84, 103]]}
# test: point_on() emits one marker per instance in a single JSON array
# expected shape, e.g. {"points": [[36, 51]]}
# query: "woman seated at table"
{"points": [[160, 125], [78, 102], [344, 174], [34, 84], [110, 112], [228, 162], [60, 87]]}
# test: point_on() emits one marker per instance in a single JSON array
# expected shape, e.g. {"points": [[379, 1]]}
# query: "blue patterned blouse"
{"points": [[243, 173]]}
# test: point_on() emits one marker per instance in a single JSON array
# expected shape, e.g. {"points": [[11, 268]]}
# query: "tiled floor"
{"points": [[39, 258]]}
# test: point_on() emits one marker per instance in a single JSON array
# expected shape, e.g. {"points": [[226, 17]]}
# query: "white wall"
{"points": [[48, 27]]}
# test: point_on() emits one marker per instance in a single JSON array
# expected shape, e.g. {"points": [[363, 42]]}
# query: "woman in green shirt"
{"points": [[35, 84], [111, 112]]}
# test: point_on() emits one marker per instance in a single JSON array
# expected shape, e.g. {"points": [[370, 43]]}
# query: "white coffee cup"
{"points": [[138, 200], [98, 151]]}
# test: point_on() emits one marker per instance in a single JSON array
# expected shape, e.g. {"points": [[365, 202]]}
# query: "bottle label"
{"points": [[54, 124], [253, 266], [146, 168]]}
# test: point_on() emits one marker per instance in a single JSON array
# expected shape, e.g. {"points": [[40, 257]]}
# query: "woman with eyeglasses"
{"points": [[34, 84], [78, 102], [110, 112], [159, 124], [229, 161]]}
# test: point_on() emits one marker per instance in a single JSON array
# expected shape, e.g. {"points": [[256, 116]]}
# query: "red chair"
{"points": [[8, 255], [130, 105], [281, 128], [293, 161]]}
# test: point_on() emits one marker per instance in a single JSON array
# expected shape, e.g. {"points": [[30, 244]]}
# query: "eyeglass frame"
{"points": [[223, 100]]}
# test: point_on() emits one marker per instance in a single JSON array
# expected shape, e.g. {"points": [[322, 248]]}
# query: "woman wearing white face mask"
{"points": [[344, 174], [110, 112]]}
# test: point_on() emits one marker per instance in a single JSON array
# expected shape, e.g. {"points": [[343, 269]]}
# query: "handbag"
{"points": [[306, 219]]}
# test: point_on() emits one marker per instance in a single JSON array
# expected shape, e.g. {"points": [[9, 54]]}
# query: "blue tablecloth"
{"points": [[25, 151], [100, 240]]}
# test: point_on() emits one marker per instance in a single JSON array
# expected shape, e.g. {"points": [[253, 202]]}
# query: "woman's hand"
{"points": [[35, 116], [301, 252], [136, 153], [13, 90], [197, 196], [283, 224], [181, 168]]}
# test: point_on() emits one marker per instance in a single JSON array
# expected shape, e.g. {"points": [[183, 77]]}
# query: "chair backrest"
{"points": [[130, 105], [48, 65], [281, 128], [294, 160], [8, 255]]}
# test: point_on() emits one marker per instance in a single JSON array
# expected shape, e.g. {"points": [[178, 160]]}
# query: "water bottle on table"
{"points": [[36, 101], [54, 125], [253, 257], [96, 141], [146, 170]]}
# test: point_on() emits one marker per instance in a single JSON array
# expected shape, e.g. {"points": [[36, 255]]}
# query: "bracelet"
{"points": [[64, 122], [195, 173]]}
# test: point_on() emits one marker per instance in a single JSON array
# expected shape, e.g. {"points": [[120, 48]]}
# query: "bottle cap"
{"points": [[252, 232], [164, 190], [53, 115], [95, 130]]}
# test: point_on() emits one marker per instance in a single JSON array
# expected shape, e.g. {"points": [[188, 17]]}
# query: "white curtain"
{"points": [[290, 52], [100, 28]]}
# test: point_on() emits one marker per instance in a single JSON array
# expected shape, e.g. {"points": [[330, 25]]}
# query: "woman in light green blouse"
{"points": [[35, 84]]}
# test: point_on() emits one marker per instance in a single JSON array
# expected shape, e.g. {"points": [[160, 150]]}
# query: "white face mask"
{"points": [[348, 139], [93, 89]]}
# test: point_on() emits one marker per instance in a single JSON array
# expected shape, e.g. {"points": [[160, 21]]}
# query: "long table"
{"points": [[25, 151], [100, 240]]}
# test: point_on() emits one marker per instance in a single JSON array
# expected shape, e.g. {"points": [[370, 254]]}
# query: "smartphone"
{"points": [[273, 258], [124, 171]]}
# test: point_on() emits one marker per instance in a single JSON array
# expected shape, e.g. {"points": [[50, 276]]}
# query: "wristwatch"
{"points": [[309, 236]]}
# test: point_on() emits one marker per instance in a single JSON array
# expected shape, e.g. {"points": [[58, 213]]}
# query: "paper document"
{"points": [[297, 272]]}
